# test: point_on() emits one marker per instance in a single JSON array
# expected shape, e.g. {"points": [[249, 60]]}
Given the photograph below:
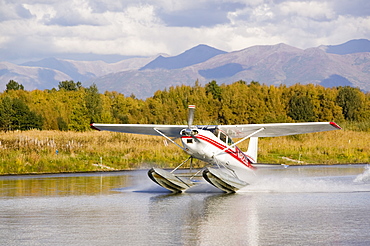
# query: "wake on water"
{"points": [[313, 184], [363, 177], [278, 183]]}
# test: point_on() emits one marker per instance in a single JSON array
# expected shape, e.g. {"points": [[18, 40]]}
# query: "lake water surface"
{"points": [[317, 205]]}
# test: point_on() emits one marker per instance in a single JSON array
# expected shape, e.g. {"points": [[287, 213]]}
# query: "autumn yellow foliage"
{"points": [[60, 151]]}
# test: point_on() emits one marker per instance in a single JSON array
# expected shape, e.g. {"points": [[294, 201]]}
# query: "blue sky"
{"points": [[33, 29]]}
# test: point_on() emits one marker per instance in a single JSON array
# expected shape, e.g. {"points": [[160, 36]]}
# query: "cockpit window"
{"points": [[188, 132], [216, 132], [224, 138]]}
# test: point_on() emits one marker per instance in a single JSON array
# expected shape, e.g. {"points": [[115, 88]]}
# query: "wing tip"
{"points": [[93, 127], [335, 125]]}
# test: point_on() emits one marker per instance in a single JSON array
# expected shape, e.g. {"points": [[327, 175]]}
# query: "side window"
{"points": [[226, 139], [223, 137], [229, 141]]}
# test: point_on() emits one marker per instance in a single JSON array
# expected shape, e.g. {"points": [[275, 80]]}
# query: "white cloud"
{"points": [[149, 27], [142, 14], [313, 10], [41, 11], [13, 11]]}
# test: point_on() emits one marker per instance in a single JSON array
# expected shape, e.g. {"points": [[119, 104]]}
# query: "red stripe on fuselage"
{"points": [[238, 154]]}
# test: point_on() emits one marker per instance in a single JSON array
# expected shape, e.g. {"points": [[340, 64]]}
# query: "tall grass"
{"points": [[55, 151], [335, 147]]}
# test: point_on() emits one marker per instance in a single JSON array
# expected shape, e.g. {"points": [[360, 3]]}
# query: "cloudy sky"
{"points": [[32, 29]]}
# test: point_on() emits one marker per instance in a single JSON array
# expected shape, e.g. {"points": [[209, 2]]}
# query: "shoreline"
{"points": [[50, 152], [138, 169]]}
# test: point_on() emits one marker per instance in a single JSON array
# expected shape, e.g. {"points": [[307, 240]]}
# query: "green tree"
{"points": [[214, 89], [78, 115], [301, 108], [254, 83], [6, 111], [13, 85], [62, 125], [120, 109], [23, 118], [78, 119], [327, 108], [93, 104], [349, 99], [69, 85], [16, 115]]}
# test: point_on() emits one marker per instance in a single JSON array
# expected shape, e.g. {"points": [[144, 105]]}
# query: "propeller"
{"points": [[189, 131], [191, 115]]}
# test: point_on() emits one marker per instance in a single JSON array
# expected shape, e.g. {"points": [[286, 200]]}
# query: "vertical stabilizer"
{"points": [[252, 149]]}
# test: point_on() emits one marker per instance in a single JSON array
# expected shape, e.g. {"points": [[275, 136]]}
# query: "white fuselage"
{"points": [[212, 147]]}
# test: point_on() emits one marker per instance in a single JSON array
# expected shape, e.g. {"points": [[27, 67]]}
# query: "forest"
{"points": [[72, 107], [49, 131]]}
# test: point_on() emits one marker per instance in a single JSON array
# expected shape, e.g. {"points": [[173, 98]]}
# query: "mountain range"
{"points": [[328, 65]]}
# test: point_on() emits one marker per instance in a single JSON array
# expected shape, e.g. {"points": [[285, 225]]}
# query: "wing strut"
{"points": [[243, 139], [159, 132]]}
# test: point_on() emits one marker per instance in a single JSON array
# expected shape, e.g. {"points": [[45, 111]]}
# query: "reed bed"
{"points": [[24, 152], [335, 147], [57, 151]]}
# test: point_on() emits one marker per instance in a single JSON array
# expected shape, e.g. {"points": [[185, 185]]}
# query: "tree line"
{"points": [[73, 107]]}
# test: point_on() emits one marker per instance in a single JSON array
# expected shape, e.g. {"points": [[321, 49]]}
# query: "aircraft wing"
{"points": [[146, 129], [234, 131], [277, 129]]}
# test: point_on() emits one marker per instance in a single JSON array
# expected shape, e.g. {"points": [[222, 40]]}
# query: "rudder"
{"points": [[252, 149]]}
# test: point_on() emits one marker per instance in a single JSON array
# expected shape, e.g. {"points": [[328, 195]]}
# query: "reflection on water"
{"points": [[294, 206], [62, 185]]}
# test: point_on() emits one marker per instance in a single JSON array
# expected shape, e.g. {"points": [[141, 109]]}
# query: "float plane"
{"points": [[213, 144]]}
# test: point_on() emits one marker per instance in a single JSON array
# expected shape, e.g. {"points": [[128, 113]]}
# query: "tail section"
{"points": [[252, 149]]}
